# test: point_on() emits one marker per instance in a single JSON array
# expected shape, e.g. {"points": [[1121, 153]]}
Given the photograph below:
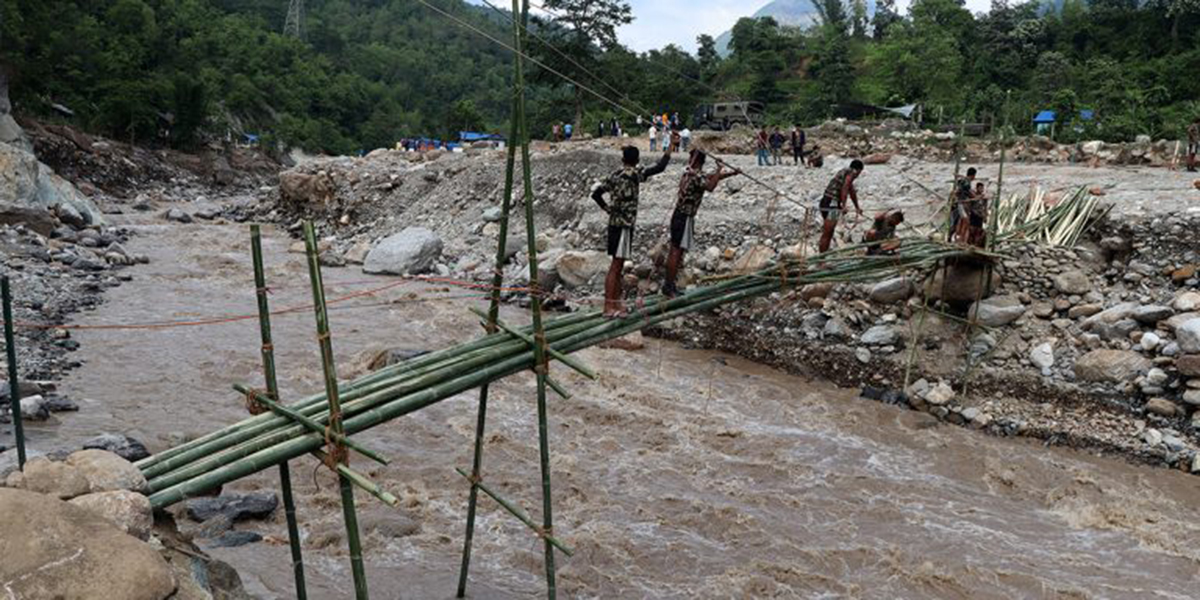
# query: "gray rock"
{"points": [[75, 554], [414, 250], [1192, 397], [233, 539], [177, 215], [107, 472], [128, 511], [940, 395], [836, 328], [1152, 314], [998, 311], [1150, 341], [896, 289], [123, 446], [1073, 282], [880, 335], [1042, 356], [53, 478], [492, 215], [1111, 366], [576, 269], [237, 507], [862, 355], [1117, 313], [1188, 337], [33, 408]]}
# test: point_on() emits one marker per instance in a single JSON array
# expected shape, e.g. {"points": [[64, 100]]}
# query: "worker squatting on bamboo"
{"points": [[833, 202], [623, 187], [692, 187]]}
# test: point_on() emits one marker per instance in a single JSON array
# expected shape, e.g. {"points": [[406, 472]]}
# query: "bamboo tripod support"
{"points": [[519, 136], [268, 358], [14, 386], [338, 456]]}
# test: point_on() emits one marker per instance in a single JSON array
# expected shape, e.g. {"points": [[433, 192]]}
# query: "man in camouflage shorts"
{"points": [[622, 188], [692, 188]]}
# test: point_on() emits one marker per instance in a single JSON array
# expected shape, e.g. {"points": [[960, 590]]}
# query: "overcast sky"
{"points": [[661, 22]]}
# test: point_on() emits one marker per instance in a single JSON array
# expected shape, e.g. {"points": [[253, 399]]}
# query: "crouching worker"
{"points": [[622, 188], [692, 188], [882, 235]]}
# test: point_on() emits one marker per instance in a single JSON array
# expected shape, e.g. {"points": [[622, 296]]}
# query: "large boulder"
{"points": [[414, 250], [961, 283], [1111, 366], [121, 445], [997, 312], [896, 289], [45, 476], [128, 511], [234, 506], [52, 549], [1109, 316], [27, 185], [1188, 336], [577, 269], [107, 472]]}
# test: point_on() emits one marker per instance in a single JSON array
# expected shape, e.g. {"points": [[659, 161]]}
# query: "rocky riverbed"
{"points": [[1090, 347]]}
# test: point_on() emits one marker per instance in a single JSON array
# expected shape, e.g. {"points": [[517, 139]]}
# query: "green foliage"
{"points": [[369, 72]]}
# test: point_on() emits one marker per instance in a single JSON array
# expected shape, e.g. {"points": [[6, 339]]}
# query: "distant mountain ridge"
{"points": [[793, 13]]}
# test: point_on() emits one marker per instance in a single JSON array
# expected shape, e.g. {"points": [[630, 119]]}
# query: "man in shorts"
{"points": [[623, 187], [833, 202], [692, 188], [882, 235]]}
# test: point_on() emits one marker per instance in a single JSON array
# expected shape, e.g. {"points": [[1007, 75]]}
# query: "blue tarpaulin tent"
{"points": [[1046, 116], [471, 136]]}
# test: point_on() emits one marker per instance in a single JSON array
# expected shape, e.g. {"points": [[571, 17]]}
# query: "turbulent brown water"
{"points": [[678, 474]]}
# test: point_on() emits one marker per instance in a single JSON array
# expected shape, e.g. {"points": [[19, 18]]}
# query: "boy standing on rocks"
{"points": [[692, 188], [623, 188]]}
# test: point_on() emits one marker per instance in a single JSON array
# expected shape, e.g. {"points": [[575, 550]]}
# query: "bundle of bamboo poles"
{"points": [[1033, 217], [272, 438]]}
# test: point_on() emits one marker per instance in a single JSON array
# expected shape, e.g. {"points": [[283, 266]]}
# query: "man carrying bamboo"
{"points": [[623, 187], [1193, 133], [833, 202], [692, 188]]}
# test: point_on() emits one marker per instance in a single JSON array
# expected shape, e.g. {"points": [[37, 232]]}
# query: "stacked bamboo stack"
{"points": [[1037, 217], [272, 438]]}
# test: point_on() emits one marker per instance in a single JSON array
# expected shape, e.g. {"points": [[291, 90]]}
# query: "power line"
{"points": [[544, 41], [462, 23]]}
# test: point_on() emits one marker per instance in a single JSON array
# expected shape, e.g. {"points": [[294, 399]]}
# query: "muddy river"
{"points": [[678, 474]]}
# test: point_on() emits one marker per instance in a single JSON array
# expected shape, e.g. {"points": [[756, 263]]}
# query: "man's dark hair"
{"points": [[699, 156], [857, 165], [971, 172], [630, 155]]}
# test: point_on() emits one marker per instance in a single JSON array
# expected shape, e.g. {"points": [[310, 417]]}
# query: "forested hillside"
{"points": [[367, 72]]}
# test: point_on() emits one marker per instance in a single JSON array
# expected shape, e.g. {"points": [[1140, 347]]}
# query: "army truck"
{"points": [[721, 116]]}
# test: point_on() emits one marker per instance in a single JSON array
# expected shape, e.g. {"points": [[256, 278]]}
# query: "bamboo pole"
{"points": [[268, 358], [310, 424], [14, 384], [389, 404], [492, 317], [335, 412], [555, 354], [518, 513], [539, 350]]}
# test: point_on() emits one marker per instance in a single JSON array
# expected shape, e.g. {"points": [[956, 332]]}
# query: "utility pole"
{"points": [[294, 26]]}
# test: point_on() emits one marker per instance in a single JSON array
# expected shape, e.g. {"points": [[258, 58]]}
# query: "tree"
{"points": [[708, 56], [885, 15], [583, 29], [860, 18]]}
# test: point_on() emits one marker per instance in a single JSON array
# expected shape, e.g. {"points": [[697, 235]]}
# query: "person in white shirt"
{"points": [[686, 137], [653, 138]]}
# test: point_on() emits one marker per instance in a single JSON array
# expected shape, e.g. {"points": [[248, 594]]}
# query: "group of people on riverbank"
{"points": [[769, 147], [618, 195]]}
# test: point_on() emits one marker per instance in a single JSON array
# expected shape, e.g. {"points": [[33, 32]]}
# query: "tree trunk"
{"points": [[578, 110]]}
